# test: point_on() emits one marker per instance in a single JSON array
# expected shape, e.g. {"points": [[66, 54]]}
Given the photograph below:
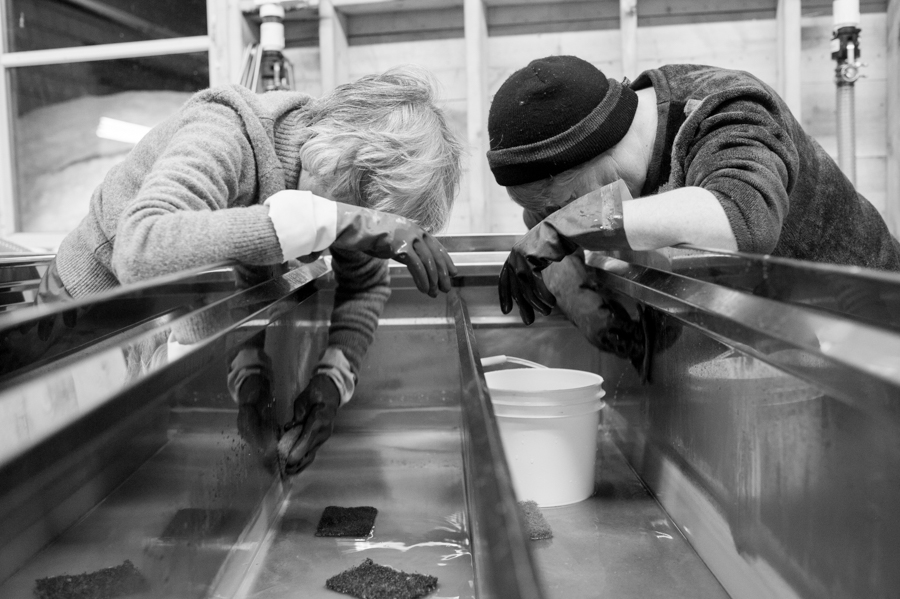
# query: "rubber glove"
{"points": [[314, 412], [385, 235], [250, 385], [593, 222]]}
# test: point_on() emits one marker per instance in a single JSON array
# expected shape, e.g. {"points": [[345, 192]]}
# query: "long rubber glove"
{"points": [[314, 412], [385, 235], [592, 222]]}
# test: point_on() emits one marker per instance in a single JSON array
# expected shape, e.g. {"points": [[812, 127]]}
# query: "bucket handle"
{"points": [[501, 359]]}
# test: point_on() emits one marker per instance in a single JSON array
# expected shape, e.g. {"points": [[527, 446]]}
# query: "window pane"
{"points": [[72, 122], [46, 24]]}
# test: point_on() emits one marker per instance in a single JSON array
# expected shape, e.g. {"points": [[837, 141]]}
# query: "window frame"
{"points": [[223, 44]]}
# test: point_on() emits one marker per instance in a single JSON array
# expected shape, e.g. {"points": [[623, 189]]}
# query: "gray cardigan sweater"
{"points": [[730, 133], [191, 193]]}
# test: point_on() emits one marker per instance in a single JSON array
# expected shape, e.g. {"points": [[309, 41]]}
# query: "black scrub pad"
{"points": [[102, 584], [346, 521], [535, 523], [373, 581]]}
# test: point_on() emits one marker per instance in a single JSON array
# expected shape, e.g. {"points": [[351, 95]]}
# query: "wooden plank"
{"points": [[789, 54], [743, 45], [360, 7], [892, 193], [814, 8], [9, 217], [534, 29], [628, 27], [476, 35], [301, 33], [388, 24], [671, 12], [332, 46], [225, 25], [551, 13]]}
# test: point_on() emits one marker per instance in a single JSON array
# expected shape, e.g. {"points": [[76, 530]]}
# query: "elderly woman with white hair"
{"points": [[367, 172]]}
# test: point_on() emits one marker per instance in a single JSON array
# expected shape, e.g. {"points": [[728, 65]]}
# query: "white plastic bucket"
{"points": [[548, 421]]}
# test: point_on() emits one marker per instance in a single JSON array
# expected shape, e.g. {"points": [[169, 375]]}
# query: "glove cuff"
{"points": [[594, 221], [335, 365], [304, 223]]}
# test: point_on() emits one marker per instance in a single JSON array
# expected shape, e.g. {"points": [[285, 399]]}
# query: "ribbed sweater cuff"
{"points": [[252, 235]]}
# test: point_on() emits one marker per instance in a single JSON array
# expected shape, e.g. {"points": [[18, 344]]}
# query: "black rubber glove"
{"points": [[250, 385], [385, 235], [592, 222], [314, 412]]}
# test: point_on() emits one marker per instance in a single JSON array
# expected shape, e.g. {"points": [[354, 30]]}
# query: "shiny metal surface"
{"points": [[769, 432], [75, 429], [502, 557], [766, 442], [20, 275]]}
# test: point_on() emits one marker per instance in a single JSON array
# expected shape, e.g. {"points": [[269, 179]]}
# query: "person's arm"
{"points": [[687, 215], [742, 153], [362, 290], [180, 217]]}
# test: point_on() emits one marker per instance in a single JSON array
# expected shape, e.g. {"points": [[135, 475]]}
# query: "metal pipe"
{"points": [[846, 129], [845, 51]]}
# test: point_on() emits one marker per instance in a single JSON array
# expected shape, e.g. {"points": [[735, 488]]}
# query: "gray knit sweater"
{"points": [[730, 133], [191, 193]]}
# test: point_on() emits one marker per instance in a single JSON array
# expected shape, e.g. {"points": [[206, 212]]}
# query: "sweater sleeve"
{"points": [[362, 290], [745, 157], [180, 217]]}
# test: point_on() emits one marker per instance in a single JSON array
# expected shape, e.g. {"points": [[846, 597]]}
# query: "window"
{"points": [[80, 82]]}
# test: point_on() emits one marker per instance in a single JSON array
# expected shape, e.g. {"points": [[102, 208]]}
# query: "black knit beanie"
{"points": [[552, 115]]}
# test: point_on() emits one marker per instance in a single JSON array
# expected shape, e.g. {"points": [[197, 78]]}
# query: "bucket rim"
{"points": [[580, 414], [541, 373]]}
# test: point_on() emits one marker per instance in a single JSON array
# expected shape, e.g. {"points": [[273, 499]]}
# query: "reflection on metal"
{"points": [[20, 275], [53, 414], [853, 361], [503, 565], [769, 433], [861, 294], [770, 429]]}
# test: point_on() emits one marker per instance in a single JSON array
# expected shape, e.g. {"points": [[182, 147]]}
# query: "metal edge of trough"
{"points": [[502, 559]]}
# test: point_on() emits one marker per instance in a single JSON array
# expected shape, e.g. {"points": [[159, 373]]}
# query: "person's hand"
{"points": [[593, 221], [314, 412], [385, 235], [520, 281]]}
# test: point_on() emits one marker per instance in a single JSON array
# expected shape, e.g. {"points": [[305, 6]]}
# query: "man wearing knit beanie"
{"points": [[713, 157]]}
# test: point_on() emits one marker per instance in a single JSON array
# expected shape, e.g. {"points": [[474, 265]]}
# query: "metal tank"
{"points": [[758, 459]]}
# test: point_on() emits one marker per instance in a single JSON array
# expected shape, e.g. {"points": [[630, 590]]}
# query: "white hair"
{"points": [[382, 141]]}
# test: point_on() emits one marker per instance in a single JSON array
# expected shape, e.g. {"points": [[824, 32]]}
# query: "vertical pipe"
{"points": [[846, 129], [845, 50], [628, 25]]}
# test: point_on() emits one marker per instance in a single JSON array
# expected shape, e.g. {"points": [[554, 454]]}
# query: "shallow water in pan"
{"points": [[415, 480]]}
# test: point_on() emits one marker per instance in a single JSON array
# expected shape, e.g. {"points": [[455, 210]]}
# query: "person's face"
{"points": [[603, 171]]}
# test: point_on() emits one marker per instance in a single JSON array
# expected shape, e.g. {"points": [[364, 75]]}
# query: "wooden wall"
{"points": [[746, 43]]}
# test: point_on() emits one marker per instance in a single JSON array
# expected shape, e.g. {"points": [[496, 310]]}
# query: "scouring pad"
{"points": [[374, 581], [534, 521], [102, 584], [346, 521]]}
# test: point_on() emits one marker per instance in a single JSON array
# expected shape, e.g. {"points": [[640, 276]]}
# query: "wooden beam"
{"points": [[476, 115], [225, 23], [892, 197], [787, 19], [9, 216], [332, 46], [628, 24]]}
